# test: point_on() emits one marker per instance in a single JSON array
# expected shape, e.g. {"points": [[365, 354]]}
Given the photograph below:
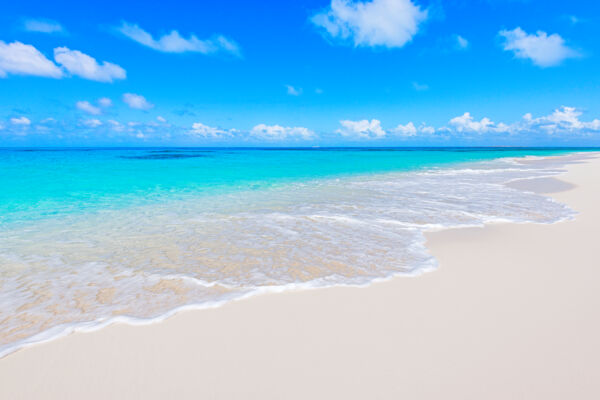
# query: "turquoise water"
{"points": [[47, 182], [93, 236]]}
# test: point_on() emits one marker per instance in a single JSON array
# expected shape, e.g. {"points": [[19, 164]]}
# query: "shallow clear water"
{"points": [[87, 236]]}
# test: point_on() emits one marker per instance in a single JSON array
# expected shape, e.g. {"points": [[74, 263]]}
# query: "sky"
{"points": [[303, 73]]}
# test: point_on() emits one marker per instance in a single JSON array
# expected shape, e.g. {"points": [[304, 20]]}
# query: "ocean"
{"points": [[92, 236]]}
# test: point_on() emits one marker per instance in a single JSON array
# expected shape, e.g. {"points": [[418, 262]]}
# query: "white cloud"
{"points": [[80, 64], [406, 130], [542, 49], [292, 91], [199, 129], [277, 132], [372, 129], [87, 107], [161, 119], [389, 23], [420, 87], [461, 42], [563, 119], [92, 123], [567, 117], [105, 102], [429, 130], [363, 129], [319, 91], [42, 26], [466, 123], [137, 101], [174, 43], [23, 59], [21, 121], [410, 129]]}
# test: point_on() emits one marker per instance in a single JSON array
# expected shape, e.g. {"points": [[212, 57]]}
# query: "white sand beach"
{"points": [[511, 313]]}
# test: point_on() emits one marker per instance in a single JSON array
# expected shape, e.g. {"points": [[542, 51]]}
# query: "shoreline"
{"points": [[62, 330], [548, 184], [75, 348]]}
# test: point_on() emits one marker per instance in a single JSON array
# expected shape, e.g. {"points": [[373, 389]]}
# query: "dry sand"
{"points": [[512, 313]]}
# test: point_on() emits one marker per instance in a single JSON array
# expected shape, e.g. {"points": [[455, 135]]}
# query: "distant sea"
{"points": [[91, 236]]}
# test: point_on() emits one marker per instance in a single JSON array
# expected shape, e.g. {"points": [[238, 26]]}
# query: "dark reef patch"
{"points": [[162, 156]]}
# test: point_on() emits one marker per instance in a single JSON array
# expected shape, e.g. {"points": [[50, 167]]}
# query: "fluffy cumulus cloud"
{"points": [[406, 130], [205, 131], [88, 107], [23, 59], [137, 101], [20, 121], [42, 26], [173, 42], [426, 129], [92, 109], [542, 49], [410, 130], [363, 129], [261, 132], [466, 123], [562, 120], [91, 123], [388, 23], [80, 64], [149, 130], [277, 132], [563, 124], [372, 129]]}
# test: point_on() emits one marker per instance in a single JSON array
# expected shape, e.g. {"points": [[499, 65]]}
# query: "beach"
{"points": [[510, 313]]}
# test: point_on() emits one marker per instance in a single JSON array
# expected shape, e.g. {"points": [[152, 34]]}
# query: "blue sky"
{"points": [[310, 73]]}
